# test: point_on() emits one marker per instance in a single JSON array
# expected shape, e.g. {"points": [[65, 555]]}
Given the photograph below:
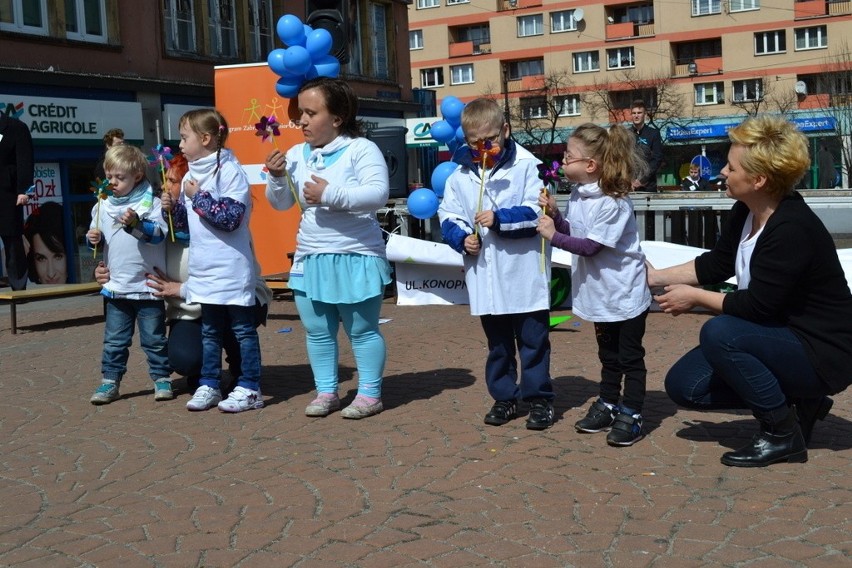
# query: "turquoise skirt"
{"points": [[342, 278]]}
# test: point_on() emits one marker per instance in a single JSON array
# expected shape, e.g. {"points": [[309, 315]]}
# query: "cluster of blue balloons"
{"points": [[449, 131], [306, 57]]}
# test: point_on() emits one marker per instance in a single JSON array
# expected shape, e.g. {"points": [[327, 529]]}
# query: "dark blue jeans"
{"points": [[531, 332], [741, 364], [216, 320], [150, 317]]}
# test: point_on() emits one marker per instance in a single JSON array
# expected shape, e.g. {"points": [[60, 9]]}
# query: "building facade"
{"points": [[701, 66], [73, 69]]}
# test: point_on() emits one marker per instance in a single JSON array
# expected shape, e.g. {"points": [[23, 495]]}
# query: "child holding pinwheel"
{"points": [[489, 214], [127, 224], [609, 282]]}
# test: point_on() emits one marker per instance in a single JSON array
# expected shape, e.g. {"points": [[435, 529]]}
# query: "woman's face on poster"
{"points": [[50, 266]]}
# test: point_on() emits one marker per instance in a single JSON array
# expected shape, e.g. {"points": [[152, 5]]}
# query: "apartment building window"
{"points": [[534, 107], [706, 7], [710, 93], [748, 90], [525, 68], [415, 39], [24, 16], [461, 74], [85, 20], [530, 25], [433, 77], [381, 56], [180, 25], [451, 2], [223, 28], [620, 58], [766, 43], [690, 51], [568, 105], [585, 61], [811, 38], [260, 29], [743, 5], [637, 14], [477, 34], [562, 21], [422, 4]]}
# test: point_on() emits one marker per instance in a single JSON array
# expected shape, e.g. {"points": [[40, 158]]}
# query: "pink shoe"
{"points": [[323, 405], [362, 408]]}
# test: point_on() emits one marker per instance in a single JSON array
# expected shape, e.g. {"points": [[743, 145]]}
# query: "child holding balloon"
{"points": [[489, 214], [607, 270], [339, 270]]}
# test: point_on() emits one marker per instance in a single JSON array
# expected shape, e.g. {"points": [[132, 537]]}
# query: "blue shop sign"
{"points": [[816, 124]]}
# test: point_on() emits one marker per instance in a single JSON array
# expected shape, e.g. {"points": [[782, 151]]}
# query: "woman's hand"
{"points": [[472, 245], [546, 228], [313, 190], [276, 163], [164, 287], [190, 188], [101, 273], [167, 202], [677, 299]]}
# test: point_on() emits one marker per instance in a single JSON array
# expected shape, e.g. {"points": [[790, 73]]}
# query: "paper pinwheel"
{"points": [[549, 175], [268, 127], [161, 158]]}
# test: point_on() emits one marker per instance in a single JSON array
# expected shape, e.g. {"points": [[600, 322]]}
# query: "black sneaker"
{"points": [[626, 430], [502, 412], [599, 418], [541, 414]]}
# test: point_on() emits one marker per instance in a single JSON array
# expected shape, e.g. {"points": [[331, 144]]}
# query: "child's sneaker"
{"points": [[626, 430], [362, 407], [105, 393], [541, 414], [599, 417], [204, 398], [163, 389], [501, 412], [324, 404], [241, 399]]}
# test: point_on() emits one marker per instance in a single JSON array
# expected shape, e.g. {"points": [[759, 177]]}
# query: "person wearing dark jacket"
{"points": [[16, 177], [783, 341], [650, 143]]}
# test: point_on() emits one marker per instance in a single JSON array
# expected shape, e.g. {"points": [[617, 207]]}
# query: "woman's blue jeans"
{"points": [[742, 364]]}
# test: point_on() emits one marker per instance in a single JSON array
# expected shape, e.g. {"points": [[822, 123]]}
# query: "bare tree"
{"points": [[754, 96]]}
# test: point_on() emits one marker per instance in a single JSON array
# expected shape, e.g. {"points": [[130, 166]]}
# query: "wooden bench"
{"points": [[15, 297]]}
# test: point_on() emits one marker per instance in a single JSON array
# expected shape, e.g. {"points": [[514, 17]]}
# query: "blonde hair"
{"points": [[125, 158], [482, 112], [774, 148], [207, 121], [616, 153]]}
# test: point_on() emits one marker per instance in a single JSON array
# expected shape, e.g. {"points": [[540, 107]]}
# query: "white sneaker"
{"points": [[241, 399], [204, 398]]}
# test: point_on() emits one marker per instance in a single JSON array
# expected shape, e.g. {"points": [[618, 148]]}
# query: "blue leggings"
{"points": [[361, 324]]}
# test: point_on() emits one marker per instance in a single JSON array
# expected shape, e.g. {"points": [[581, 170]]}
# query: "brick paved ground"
{"points": [[139, 483]]}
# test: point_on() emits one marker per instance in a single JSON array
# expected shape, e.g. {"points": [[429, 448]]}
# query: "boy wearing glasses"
{"points": [[489, 214]]}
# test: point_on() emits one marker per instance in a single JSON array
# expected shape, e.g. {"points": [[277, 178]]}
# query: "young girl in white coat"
{"points": [[608, 279], [216, 200]]}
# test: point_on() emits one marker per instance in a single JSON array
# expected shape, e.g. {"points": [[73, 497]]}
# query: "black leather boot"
{"points": [[780, 440], [809, 410]]}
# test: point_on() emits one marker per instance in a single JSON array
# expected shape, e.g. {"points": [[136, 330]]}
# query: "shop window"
{"points": [[261, 28], [85, 20], [24, 16], [179, 16]]}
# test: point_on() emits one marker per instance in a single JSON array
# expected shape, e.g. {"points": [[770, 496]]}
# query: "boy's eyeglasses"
{"points": [[493, 139]]}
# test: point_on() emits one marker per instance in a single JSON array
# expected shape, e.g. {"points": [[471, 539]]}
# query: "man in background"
{"points": [[16, 177], [651, 145]]}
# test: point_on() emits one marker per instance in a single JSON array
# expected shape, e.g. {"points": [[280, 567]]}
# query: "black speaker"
{"points": [[333, 16], [391, 141]]}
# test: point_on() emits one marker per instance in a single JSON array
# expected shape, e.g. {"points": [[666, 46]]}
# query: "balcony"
{"points": [[814, 102], [810, 9], [504, 5], [626, 30], [840, 8], [527, 83], [465, 48], [703, 66]]}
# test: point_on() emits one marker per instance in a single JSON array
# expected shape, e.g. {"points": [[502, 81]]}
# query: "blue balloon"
{"points": [[275, 59], [328, 66], [311, 73], [288, 86], [290, 29], [297, 60], [318, 43], [422, 203], [442, 131], [451, 109], [440, 175], [460, 135]]}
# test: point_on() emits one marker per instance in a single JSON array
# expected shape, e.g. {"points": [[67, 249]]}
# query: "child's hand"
{"points": [[472, 245], [484, 218], [545, 227], [94, 237], [101, 273], [547, 203], [129, 218], [167, 202], [313, 190], [190, 188], [276, 163]]}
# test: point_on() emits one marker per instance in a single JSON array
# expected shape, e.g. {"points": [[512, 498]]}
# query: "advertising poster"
{"points": [[44, 230]]}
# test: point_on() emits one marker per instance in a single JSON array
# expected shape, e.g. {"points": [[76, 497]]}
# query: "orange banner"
{"points": [[244, 94]]}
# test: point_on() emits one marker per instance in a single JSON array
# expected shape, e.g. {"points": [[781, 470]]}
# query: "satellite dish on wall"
{"points": [[579, 14], [801, 88]]}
